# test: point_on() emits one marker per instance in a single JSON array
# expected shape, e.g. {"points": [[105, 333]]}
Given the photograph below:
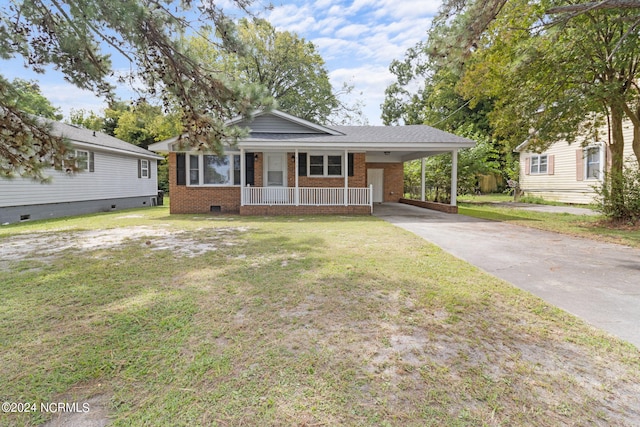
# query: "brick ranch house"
{"points": [[290, 166]]}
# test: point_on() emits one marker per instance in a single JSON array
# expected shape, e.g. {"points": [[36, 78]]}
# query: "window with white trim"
{"points": [[325, 165], [593, 159], [194, 170], [212, 170], [82, 160], [538, 164], [144, 168]]}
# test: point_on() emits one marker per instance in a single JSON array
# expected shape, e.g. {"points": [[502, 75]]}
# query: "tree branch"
{"points": [[585, 7]]}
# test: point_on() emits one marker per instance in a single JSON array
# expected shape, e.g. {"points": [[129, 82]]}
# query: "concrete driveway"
{"points": [[599, 282]]}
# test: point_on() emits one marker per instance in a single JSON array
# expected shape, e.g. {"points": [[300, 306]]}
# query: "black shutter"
{"points": [[139, 168], [302, 164], [181, 169], [149, 169], [350, 163], [91, 162], [249, 168]]}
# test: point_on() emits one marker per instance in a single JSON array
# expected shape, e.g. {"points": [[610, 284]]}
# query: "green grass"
{"points": [[591, 227], [290, 321], [486, 198]]}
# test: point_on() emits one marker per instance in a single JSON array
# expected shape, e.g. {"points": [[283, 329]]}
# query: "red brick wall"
{"points": [[184, 199], [442, 207], [305, 210], [358, 180], [393, 180], [258, 172]]}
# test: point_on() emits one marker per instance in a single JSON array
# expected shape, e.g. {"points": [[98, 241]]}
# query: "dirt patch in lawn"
{"points": [[46, 246]]}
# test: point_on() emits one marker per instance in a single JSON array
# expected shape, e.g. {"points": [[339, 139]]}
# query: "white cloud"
{"points": [[359, 39], [407, 9], [69, 97], [352, 30], [369, 85]]}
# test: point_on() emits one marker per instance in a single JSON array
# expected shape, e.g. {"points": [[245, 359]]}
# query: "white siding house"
{"points": [[568, 172], [114, 175]]}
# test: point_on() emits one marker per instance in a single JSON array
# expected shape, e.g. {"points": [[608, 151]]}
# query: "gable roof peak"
{"points": [[313, 127]]}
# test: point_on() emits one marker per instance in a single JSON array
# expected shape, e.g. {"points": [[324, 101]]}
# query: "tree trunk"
{"points": [[634, 116], [616, 146], [636, 143]]}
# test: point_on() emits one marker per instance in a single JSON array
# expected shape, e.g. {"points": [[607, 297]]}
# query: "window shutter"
{"points": [[527, 166], [249, 165], [149, 169], [139, 168], [551, 163], [91, 162], [302, 164], [181, 171], [350, 164], [580, 165]]}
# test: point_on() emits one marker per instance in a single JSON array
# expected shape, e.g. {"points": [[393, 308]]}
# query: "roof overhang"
{"points": [[96, 147], [404, 151]]}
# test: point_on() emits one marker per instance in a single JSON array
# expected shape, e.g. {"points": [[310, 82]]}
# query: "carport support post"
{"points": [[422, 172], [454, 176]]}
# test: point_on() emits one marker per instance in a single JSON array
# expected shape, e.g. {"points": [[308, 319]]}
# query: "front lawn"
{"points": [[189, 320], [591, 227]]}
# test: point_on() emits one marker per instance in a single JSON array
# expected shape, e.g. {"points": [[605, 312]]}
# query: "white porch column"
{"points": [[422, 179], [296, 196], [243, 175], [454, 177], [346, 177]]}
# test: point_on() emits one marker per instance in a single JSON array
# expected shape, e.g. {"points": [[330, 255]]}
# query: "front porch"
{"points": [[307, 196]]}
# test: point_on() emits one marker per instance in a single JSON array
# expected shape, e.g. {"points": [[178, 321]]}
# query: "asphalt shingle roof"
{"points": [[99, 139], [370, 134]]}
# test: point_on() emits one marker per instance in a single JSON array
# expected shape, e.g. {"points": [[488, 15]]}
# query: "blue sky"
{"points": [[357, 39]]}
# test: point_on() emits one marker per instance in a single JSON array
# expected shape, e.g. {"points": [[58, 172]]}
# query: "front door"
{"points": [[375, 177], [275, 176]]}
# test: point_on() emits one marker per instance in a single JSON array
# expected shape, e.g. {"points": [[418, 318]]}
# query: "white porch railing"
{"points": [[307, 196]]}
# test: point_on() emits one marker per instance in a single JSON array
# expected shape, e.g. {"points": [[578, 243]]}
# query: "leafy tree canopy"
{"points": [[77, 38], [288, 66], [26, 96]]}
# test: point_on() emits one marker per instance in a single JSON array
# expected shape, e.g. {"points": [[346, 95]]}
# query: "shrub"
{"points": [[627, 206]]}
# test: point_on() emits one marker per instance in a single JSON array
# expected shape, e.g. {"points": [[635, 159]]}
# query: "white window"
{"points": [[212, 170], [325, 165], [82, 160], [144, 168], [538, 164], [194, 170], [593, 159]]}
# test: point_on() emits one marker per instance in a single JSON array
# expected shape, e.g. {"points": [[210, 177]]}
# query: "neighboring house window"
{"points": [[82, 160], [325, 165], [593, 162], [144, 168], [538, 164], [209, 169]]}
